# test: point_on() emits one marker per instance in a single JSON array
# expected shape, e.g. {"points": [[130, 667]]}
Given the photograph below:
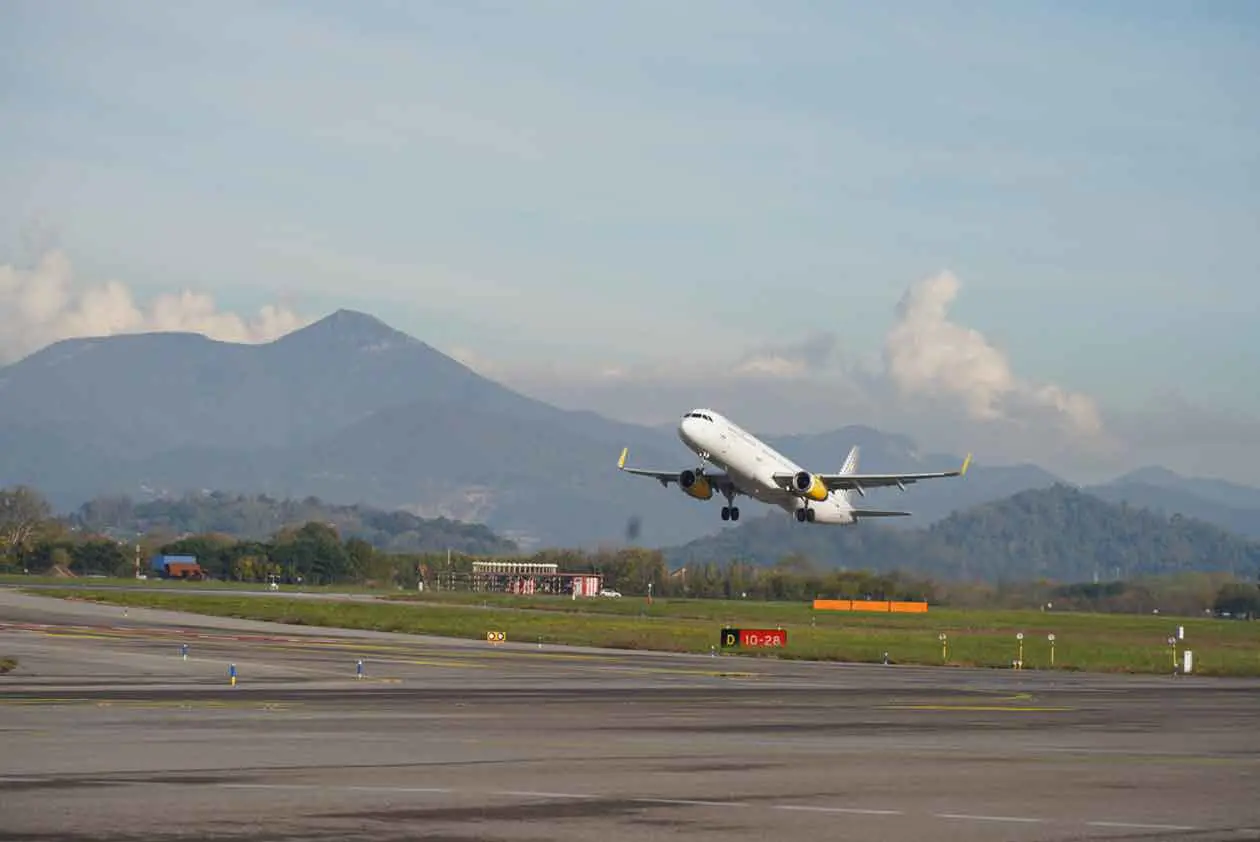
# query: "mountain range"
{"points": [[1057, 533], [352, 411]]}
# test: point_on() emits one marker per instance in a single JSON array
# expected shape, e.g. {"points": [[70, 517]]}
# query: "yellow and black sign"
{"points": [[495, 636], [754, 638]]}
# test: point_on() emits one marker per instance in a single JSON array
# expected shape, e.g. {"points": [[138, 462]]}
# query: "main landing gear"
{"points": [[805, 514], [730, 511]]}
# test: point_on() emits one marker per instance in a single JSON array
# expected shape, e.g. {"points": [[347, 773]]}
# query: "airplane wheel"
{"points": [[726, 513], [734, 513], [809, 515], [800, 515]]}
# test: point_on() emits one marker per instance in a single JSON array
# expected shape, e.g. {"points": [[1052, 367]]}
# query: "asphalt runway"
{"points": [[108, 733]]}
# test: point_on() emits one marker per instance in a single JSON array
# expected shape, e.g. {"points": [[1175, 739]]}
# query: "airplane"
{"points": [[750, 467]]}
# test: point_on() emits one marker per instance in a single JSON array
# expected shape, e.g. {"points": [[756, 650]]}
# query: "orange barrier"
{"points": [[882, 606]]}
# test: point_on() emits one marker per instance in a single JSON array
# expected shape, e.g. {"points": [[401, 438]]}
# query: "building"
{"points": [[524, 577], [176, 567]]}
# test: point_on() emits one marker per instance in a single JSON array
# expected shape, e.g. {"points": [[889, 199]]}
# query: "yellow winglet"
{"points": [[621, 463], [966, 463]]}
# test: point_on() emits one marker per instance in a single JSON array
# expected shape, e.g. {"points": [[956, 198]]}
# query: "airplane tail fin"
{"points": [[850, 466], [851, 461]]}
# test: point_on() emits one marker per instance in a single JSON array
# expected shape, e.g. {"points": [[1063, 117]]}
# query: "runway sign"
{"points": [[495, 636], [753, 638]]}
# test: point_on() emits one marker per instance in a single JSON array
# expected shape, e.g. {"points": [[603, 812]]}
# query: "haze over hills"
{"points": [[353, 411]]}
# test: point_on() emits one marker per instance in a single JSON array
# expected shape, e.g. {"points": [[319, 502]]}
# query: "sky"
{"points": [[1028, 230]]}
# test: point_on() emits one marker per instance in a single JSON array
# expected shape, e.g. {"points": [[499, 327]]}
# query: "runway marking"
{"points": [[415, 789], [403, 652], [1135, 826], [151, 703], [687, 802], [529, 794], [986, 818], [855, 810], [1004, 708], [693, 802]]}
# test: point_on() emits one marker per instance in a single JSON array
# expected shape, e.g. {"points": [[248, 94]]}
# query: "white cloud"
{"points": [[928, 355], [927, 361], [944, 384], [45, 303], [805, 357]]}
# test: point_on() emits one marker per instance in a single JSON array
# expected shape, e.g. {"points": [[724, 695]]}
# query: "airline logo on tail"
{"points": [[850, 461]]}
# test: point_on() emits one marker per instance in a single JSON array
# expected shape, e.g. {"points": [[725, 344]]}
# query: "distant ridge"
{"points": [[351, 410], [1058, 533]]}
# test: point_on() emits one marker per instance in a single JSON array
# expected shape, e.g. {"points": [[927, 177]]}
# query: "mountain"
{"points": [[353, 411], [1228, 505], [1219, 491], [347, 409], [1173, 500], [1059, 533]]}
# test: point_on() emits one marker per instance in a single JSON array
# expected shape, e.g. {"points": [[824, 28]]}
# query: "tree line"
{"points": [[258, 517], [33, 540]]}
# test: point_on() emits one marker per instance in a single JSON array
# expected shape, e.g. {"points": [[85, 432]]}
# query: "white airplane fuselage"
{"points": [[751, 465]]}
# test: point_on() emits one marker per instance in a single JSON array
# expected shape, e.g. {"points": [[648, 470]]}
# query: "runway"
{"points": [[108, 733]]}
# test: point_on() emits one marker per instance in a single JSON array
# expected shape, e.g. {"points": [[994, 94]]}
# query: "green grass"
{"points": [[175, 584], [1088, 642], [7, 665]]}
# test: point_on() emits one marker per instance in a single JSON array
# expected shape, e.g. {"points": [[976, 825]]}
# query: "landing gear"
{"points": [[805, 514], [730, 513]]}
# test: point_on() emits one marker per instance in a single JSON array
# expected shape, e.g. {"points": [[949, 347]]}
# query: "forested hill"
{"points": [[257, 517], [1057, 533]]}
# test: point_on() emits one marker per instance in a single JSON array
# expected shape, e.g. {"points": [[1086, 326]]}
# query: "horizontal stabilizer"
{"points": [[878, 513]]}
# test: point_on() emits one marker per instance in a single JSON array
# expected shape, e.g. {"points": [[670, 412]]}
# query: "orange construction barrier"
{"points": [[882, 606]]}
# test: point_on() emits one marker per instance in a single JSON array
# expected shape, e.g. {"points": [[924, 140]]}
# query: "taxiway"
{"points": [[108, 733]]}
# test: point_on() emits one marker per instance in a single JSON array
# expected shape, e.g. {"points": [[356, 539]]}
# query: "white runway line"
{"points": [[1135, 826], [527, 794], [986, 818], [689, 802], [808, 808]]}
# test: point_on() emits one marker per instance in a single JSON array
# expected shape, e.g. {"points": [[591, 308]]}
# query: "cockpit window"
{"points": [[700, 415]]}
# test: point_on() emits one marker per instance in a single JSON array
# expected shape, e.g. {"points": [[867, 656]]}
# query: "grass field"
{"points": [[1092, 642], [19, 579]]}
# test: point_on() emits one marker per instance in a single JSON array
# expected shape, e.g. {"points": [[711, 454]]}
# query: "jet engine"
{"points": [[810, 486], [695, 484]]}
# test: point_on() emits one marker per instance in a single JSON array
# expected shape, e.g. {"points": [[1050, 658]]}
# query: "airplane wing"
{"points": [[717, 479], [861, 482]]}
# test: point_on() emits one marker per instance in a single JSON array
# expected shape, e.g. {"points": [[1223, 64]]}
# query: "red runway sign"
{"points": [[754, 638]]}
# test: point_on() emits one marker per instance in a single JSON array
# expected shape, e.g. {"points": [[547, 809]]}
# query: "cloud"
{"points": [[927, 361], [45, 304], [791, 360], [928, 355], [942, 383]]}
